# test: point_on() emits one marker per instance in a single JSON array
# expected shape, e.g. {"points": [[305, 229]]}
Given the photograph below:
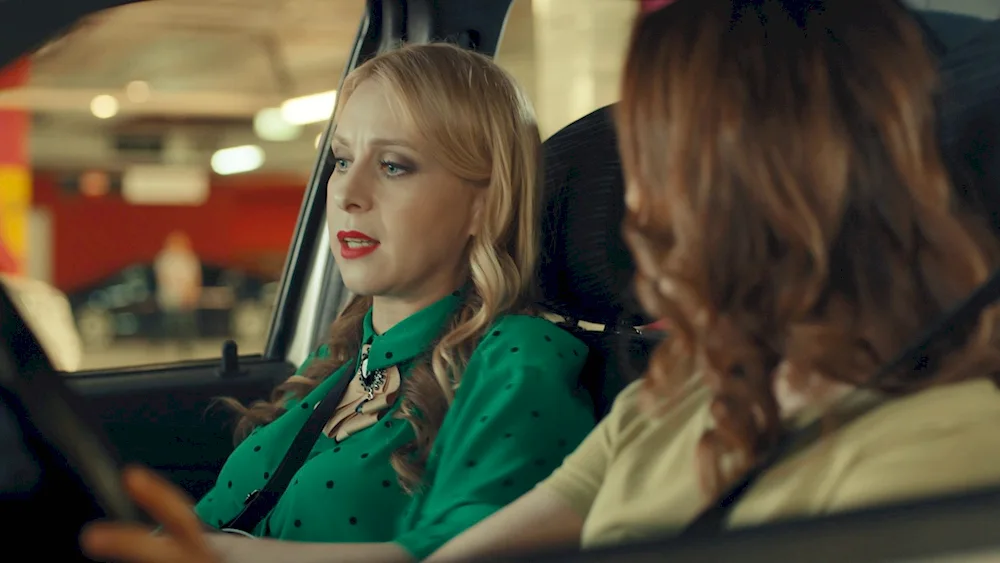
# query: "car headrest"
{"points": [[970, 119], [586, 269]]}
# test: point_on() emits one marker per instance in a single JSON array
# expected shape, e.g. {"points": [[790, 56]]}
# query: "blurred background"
{"points": [[153, 159]]}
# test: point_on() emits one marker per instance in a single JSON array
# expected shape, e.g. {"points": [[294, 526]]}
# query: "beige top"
{"points": [[634, 476]]}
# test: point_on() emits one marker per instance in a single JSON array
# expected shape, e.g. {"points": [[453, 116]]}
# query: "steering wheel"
{"points": [[58, 471]]}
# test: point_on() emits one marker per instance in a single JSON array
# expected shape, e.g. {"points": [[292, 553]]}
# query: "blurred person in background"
{"points": [[178, 288]]}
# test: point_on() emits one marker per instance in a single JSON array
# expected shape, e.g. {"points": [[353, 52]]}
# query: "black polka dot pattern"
{"points": [[512, 439]]}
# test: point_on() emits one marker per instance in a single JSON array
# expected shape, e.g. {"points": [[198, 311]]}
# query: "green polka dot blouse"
{"points": [[516, 415]]}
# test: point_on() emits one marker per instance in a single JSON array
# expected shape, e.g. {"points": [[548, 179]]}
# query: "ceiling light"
{"points": [[137, 91], [309, 109], [104, 106], [269, 125], [235, 160]]}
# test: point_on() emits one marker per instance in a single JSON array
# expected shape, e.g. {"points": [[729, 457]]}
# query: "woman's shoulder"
{"points": [[954, 409], [530, 336]]}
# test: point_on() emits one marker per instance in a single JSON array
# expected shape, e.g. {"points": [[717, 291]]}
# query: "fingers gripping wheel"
{"points": [[57, 469]]}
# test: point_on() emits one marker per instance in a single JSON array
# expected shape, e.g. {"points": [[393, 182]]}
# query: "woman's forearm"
{"points": [[238, 549]]}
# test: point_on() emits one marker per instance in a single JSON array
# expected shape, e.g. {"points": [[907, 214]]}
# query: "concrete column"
{"points": [[579, 48], [15, 176]]}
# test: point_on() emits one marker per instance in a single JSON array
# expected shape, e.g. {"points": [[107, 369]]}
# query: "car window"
{"points": [[152, 166], [568, 56]]}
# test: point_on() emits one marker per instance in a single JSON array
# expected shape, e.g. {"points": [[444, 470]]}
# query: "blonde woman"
{"points": [[460, 401]]}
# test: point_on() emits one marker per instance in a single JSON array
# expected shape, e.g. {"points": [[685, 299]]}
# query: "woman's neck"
{"points": [[388, 311]]}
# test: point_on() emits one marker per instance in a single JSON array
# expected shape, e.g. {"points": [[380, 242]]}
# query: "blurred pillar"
{"points": [[517, 48], [15, 175], [579, 48]]}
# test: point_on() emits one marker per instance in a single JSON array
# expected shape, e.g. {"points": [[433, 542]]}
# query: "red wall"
{"points": [[96, 237]]}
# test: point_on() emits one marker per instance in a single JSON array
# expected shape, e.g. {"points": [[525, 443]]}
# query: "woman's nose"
{"points": [[350, 192]]}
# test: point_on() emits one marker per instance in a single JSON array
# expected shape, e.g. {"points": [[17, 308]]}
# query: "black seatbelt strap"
{"points": [[259, 503], [853, 406]]}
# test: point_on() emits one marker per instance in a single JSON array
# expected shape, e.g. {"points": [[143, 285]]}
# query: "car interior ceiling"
{"points": [[585, 275]]}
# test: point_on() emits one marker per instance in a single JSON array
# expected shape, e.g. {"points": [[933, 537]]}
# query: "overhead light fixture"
{"points": [[235, 160], [309, 109], [269, 125], [137, 91], [104, 106]]}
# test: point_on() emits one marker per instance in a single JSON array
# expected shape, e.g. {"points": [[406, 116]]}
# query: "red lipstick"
{"points": [[355, 244]]}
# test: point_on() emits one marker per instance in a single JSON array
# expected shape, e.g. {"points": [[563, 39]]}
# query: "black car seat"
{"points": [[970, 118], [586, 269]]}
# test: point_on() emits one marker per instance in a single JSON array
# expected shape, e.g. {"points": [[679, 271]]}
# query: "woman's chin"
{"points": [[362, 286]]}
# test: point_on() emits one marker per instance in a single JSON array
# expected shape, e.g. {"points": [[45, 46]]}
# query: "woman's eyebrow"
{"points": [[377, 141]]}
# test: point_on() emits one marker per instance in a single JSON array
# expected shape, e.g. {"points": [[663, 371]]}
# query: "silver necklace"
{"points": [[371, 381]]}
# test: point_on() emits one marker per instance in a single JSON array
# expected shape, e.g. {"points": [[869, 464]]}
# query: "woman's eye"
{"points": [[341, 164], [393, 169]]}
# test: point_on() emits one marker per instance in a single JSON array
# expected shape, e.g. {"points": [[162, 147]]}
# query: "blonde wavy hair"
{"points": [[481, 126]]}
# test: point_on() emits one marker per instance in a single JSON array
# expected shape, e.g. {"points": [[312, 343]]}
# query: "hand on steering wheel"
{"points": [[182, 539]]}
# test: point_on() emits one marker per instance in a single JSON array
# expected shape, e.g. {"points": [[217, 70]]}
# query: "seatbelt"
{"points": [[856, 404], [259, 504]]}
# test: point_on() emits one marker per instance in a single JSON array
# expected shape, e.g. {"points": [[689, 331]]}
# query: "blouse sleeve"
{"points": [[518, 412]]}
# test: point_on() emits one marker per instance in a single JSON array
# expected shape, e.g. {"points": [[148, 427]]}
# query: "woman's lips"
{"points": [[355, 244]]}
